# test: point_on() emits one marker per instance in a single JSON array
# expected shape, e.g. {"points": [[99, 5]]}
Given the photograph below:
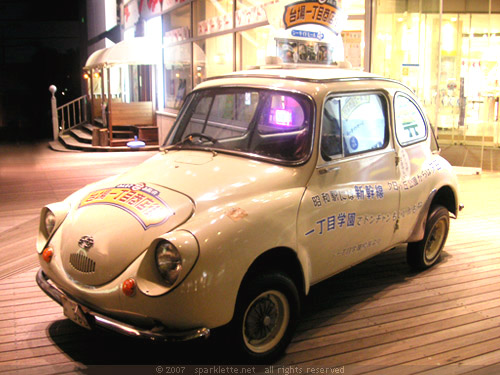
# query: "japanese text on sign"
{"points": [[311, 12], [139, 200], [360, 193]]}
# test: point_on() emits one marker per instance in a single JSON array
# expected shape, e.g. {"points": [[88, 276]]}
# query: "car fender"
{"points": [[231, 238], [447, 185]]}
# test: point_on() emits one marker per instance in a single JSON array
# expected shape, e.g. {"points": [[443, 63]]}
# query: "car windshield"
{"points": [[265, 123]]}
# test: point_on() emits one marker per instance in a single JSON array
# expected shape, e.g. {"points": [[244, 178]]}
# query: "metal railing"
{"points": [[68, 115]]}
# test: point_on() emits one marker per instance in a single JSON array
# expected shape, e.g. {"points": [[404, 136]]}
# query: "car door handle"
{"points": [[328, 170]]}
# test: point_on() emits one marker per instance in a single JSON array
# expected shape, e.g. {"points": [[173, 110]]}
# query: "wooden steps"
{"points": [[81, 139]]}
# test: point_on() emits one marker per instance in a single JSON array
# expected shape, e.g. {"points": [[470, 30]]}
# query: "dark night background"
{"points": [[41, 43]]}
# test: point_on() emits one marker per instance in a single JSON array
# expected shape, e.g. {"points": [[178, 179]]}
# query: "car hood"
{"points": [[111, 225], [210, 178], [112, 222]]}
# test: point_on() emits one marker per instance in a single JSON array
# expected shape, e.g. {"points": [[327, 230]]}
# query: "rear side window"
{"points": [[410, 124], [353, 124]]}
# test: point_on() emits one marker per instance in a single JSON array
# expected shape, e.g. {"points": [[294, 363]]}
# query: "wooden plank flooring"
{"points": [[376, 318], [379, 318], [32, 176]]}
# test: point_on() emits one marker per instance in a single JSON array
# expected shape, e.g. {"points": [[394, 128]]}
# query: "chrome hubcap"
{"points": [[435, 240], [265, 321]]}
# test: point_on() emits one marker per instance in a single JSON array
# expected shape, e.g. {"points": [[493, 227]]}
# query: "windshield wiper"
{"points": [[189, 139]]}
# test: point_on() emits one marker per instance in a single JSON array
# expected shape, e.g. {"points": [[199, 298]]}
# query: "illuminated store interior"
{"points": [[458, 83], [445, 50]]}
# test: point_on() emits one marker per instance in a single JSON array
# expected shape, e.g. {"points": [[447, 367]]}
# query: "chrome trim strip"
{"points": [[157, 334]]}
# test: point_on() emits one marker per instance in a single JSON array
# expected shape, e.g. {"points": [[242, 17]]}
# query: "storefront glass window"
{"points": [[153, 30], [177, 56], [252, 47], [178, 81], [251, 12], [354, 7], [178, 18], [213, 16], [242, 4], [404, 47], [458, 83], [212, 57], [480, 75], [354, 43]]}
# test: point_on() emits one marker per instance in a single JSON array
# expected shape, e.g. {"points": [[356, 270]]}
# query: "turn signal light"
{"points": [[128, 287], [47, 254]]}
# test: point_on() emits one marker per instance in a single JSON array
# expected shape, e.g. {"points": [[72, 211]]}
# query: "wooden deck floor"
{"points": [[377, 318]]}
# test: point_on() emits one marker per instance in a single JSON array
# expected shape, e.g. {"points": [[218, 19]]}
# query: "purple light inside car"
{"points": [[283, 117]]}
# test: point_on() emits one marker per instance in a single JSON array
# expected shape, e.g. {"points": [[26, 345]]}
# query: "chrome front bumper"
{"points": [[101, 321]]}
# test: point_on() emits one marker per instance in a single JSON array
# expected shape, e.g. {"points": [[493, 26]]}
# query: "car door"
{"points": [[350, 206]]}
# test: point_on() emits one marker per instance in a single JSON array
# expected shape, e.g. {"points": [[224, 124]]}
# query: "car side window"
{"points": [[353, 124], [410, 124]]}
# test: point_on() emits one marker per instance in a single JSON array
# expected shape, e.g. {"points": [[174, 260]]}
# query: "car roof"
{"points": [[310, 74], [298, 76]]}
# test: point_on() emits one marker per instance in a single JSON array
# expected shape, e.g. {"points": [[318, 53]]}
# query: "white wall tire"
{"points": [[265, 321], [425, 253], [267, 313]]}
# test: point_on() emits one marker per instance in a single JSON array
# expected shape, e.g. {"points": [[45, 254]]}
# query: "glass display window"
{"points": [[213, 16], [353, 38], [178, 74], [354, 7], [450, 60], [177, 58], [252, 47], [251, 12], [212, 57], [177, 24]]}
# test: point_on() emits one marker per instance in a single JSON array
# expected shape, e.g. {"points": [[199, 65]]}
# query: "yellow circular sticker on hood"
{"points": [[141, 201]]}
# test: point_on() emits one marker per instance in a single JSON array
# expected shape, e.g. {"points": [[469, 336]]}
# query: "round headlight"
{"points": [[168, 262], [50, 222]]}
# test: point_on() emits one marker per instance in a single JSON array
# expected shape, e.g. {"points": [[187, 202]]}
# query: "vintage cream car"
{"points": [[270, 181]]}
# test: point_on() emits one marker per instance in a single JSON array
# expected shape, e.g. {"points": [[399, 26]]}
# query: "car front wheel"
{"points": [[267, 313], [425, 253]]}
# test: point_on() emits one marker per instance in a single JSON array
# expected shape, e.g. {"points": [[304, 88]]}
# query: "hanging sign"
{"points": [[250, 15], [130, 14], [321, 12], [176, 35], [215, 24], [150, 8], [168, 4], [352, 47], [308, 34]]}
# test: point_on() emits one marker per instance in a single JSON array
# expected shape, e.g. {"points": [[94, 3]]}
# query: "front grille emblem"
{"points": [[86, 243]]}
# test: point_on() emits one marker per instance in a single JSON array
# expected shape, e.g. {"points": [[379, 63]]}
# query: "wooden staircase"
{"points": [[88, 137]]}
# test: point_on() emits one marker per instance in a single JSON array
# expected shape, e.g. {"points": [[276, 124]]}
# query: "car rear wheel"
{"points": [[267, 313], [425, 253]]}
